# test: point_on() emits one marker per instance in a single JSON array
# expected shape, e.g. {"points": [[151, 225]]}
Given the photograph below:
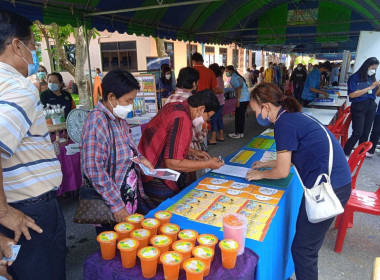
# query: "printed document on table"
{"points": [[163, 173], [231, 170]]}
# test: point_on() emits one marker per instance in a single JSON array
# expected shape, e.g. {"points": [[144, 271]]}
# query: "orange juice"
{"points": [[148, 257], [195, 269], [188, 235], [124, 230], [170, 230], [208, 240], [163, 216], [128, 248], [142, 235], [205, 254], [151, 225], [135, 219], [229, 248], [107, 241], [171, 262], [161, 242]]}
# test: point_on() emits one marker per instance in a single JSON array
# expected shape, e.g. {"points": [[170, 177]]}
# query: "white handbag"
{"points": [[321, 202]]}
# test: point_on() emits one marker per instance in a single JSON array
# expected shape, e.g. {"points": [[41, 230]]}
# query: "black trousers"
{"points": [[334, 84], [375, 134], [363, 114], [298, 89], [240, 117], [44, 256], [309, 238], [305, 103]]}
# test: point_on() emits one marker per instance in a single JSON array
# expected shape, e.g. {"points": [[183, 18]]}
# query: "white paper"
{"points": [[161, 173], [72, 149], [268, 156], [136, 134], [231, 170]]}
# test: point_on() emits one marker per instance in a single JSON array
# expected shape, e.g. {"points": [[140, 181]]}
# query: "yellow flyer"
{"points": [[257, 217], [202, 195], [260, 208], [216, 182], [213, 188], [242, 186], [263, 198], [211, 218], [274, 193], [242, 157], [256, 235], [256, 225], [230, 200], [183, 209]]}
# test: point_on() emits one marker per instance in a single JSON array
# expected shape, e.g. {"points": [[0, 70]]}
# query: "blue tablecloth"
{"points": [[275, 260]]}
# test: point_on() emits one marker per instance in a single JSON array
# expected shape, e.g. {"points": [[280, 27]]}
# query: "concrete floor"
{"points": [[362, 243]]}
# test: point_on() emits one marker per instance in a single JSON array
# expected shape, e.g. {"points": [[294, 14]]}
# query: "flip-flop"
{"points": [[209, 143], [220, 140]]}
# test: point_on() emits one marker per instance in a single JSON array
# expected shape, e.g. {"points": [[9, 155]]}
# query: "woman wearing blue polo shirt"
{"points": [[362, 90], [301, 141], [242, 96]]}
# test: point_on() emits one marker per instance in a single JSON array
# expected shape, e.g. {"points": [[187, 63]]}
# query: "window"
{"points": [[246, 58], [70, 54], [169, 49], [209, 56], [190, 51], [235, 57], [119, 55], [223, 57], [253, 58]]}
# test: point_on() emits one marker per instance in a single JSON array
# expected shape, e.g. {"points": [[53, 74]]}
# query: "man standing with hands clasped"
{"points": [[29, 170]]}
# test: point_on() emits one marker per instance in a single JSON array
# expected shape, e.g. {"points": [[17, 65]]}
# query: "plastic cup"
{"points": [[128, 249], [194, 268], [235, 227], [183, 247], [124, 230], [205, 254], [151, 225], [142, 235], [229, 248], [107, 241], [208, 240], [188, 235], [171, 262], [135, 219], [170, 230], [148, 257], [161, 242], [163, 216]]}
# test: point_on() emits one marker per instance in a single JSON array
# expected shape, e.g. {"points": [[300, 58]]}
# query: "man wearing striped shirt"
{"points": [[29, 170]]}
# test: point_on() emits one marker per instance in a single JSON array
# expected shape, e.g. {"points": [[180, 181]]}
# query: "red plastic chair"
{"points": [[336, 127], [360, 201], [340, 128]]}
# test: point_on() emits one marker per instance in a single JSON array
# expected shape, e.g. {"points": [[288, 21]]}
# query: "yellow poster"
{"points": [[242, 157]]}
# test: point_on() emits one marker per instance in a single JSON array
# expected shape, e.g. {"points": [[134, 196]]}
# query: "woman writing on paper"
{"points": [[301, 141]]}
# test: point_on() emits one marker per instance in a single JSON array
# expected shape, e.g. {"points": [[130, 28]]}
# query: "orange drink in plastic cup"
{"points": [[142, 235], [124, 230], [229, 248], [161, 242], [208, 240], [148, 256], [135, 219], [163, 216], [205, 254], [171, 261], [183, 247], [128, 249], [194, 268], [151, 225], [188, 235], [170, 230], [107, 241], [235, 227]]}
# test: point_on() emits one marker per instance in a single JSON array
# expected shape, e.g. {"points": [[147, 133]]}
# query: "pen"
{"points": [[220, 159]]}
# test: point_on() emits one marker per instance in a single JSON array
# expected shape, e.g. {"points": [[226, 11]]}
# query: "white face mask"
{"points": [[299, 68], [168, 76], [198, 121], [371, 72], [121, 111]]}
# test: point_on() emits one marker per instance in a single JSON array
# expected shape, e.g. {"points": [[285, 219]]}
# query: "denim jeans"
{"points": [[363, 114], [217, 120], [44, 256]]}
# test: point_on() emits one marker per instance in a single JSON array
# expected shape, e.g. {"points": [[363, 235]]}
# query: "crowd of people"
{"points": [[175, 138]]}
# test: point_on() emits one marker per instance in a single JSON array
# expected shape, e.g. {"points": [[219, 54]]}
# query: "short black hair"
{"points": [[254, 65], [58, 75], [327, 65], [119, 82], [186, 77], [205, 98], [215, 67], [13, 26], [164, 65], [97, 69], [222, 68], [197, 57]]}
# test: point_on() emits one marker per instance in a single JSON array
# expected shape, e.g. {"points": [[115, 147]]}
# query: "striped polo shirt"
{"points": [[30, 166]]}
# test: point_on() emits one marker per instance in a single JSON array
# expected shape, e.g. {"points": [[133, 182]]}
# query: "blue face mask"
{"points": [[261, 121], [32, 68], [53, 87]]}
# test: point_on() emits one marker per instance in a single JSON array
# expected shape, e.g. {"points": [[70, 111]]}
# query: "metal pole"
{"points": [[152, 7], [88, 59]]}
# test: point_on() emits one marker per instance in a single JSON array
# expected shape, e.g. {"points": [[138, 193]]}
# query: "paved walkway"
{"points": [[362, 243]]}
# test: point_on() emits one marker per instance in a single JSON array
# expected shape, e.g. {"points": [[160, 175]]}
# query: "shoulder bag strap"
{"points": [[331, 154]]}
